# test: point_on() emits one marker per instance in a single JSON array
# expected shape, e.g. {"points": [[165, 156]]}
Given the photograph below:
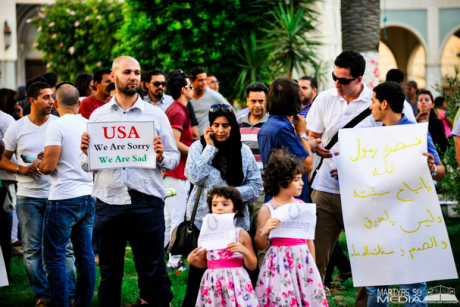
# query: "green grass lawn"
{"points": [[19, 294]]}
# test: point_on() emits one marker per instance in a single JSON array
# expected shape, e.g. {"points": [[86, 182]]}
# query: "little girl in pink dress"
{"points": [[288, 276], [226, 282]]}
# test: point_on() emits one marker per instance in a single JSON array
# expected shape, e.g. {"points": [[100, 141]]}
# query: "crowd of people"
{"points": [[249, 163]]}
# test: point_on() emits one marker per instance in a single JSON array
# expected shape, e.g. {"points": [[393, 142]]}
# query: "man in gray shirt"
{"points": [[203, 96]]}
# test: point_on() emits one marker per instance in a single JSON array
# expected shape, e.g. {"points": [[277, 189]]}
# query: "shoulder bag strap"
{"points": [[195, 207], [365, 113]]}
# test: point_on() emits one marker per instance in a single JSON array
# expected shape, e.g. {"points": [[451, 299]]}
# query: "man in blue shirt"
{"points": [[387, 105], [284, 128]]}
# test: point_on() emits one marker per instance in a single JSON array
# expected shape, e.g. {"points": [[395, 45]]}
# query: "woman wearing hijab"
{"points": [[219, 158]]}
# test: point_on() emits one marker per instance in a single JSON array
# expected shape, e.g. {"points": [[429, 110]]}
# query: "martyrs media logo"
{"points": [[441, 294]]}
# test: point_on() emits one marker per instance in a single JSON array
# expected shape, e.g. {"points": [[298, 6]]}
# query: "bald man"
{"points": [[129, 205]]}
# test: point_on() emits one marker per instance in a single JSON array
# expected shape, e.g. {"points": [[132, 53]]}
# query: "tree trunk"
{"points": [[361, 32]]}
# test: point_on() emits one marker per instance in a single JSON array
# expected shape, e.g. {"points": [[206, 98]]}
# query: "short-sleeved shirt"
{"points": [[88, 105], [430, 145], [163, 104], [329, 113], [68, 180], [278, 133], [192, 114], [23, 137], [304, 111], [201, 106], [5, 121], [249, 135], [179, 118]]}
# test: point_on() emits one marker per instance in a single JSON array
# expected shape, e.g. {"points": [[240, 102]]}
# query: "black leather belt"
{"points": [[135, 193]]}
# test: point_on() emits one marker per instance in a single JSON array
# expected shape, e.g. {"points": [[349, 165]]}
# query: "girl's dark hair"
{"points": [[229, 193], [280, 170], [82, 84], [7, 101]]}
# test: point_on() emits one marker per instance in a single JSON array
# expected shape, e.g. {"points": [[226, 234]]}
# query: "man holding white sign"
{"points": [[387, 105], [129, 204]]}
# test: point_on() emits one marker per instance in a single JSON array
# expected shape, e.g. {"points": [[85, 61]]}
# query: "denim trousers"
{"points": [[414, 294], [141, 224], [69, 219], [31, 213]]}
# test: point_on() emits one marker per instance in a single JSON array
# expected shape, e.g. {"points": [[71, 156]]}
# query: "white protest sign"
{"points": [[3, 276], [121, 144], [217, 231], [393, 221], [298, 221]]}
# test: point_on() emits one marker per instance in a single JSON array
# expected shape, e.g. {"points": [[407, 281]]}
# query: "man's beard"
{"points": [[158, 95], [305, 101], [125, 89]]}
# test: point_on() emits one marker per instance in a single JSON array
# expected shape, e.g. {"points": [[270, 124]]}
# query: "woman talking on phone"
{"points": [[219, 158]]}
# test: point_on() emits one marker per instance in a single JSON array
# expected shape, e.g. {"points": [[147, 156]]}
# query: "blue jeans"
{"points": [[31, 213], [414, 294], [141, 224], [69, 219]]}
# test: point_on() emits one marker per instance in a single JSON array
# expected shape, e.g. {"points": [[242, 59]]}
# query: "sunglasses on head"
{"points": [[224, 107], [190, 86], [158, 83], [343, 81]]}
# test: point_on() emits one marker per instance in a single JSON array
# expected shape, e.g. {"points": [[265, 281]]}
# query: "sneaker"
{"points": [[42, 303], [179, 267], [15, 253], [138, 303]]}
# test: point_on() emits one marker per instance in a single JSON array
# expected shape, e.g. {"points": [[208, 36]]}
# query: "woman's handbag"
{"points": [[184, 238]]}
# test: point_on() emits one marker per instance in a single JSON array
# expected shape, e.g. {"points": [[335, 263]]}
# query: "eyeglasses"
{"points": [[190, 86], [158, 83], [343, 81], [224, 107]]}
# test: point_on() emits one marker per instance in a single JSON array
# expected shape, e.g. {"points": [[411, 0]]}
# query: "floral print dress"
{"points": [[289, 277], [226, 287]]}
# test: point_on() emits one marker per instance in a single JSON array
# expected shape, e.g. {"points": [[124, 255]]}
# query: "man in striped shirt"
{"points": [[250, 125]]}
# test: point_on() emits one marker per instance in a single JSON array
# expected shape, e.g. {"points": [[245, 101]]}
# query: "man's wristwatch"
{"points": [[161, 159], [38, 168], [435, 172], [303, 136]]}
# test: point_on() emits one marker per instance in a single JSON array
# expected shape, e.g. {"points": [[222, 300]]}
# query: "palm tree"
{"points": [[287, 37], [361, 32]]}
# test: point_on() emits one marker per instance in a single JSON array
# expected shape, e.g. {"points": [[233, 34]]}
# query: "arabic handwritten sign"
{"points": [[217, 231], [395, 229], [298, 221], [121, 144]]}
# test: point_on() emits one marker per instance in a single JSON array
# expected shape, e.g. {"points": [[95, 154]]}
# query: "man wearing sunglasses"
{"points": [[156, 87], [203, 97], [332, 110], [178, 114]]}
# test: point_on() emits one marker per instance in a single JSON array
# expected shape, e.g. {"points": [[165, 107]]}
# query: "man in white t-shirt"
{"points": [[26, 138], [332, 110], [70, 212]]}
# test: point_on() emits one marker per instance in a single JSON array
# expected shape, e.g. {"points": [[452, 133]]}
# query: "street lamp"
{"points": [[7, 33]]}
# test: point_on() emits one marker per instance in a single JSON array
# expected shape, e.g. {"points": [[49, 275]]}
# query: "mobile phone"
{"points": [[27, 159]]}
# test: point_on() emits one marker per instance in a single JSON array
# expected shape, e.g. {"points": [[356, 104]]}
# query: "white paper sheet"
{"points": [[121, 144], [395, 230], [217, 231], [298, 221]]}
